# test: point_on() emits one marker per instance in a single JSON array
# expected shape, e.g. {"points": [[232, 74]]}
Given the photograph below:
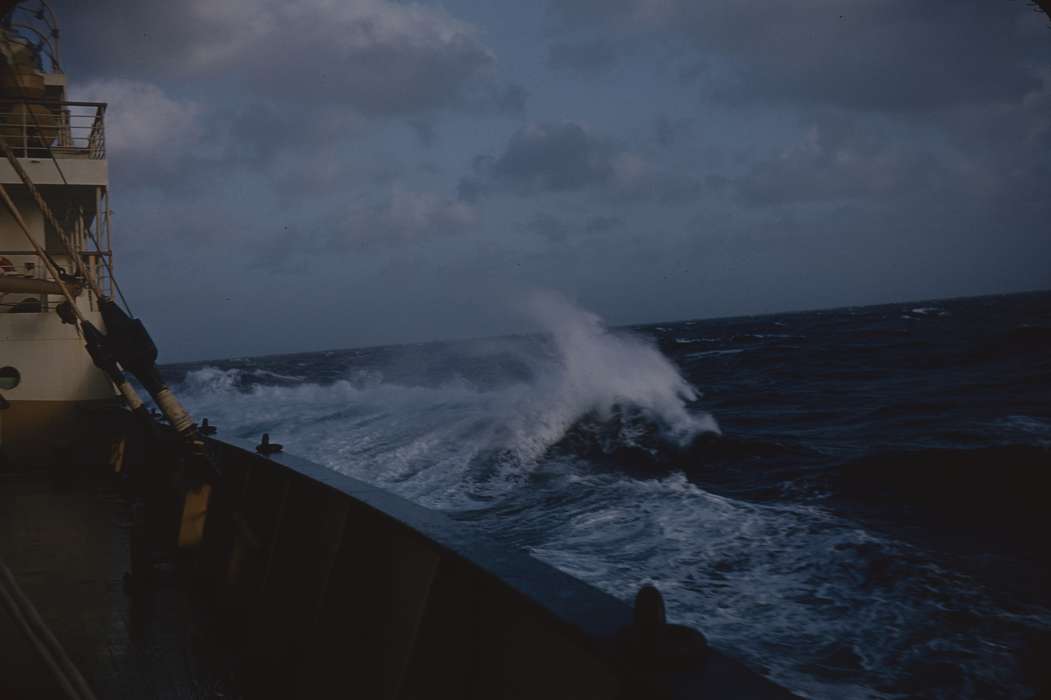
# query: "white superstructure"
{"points": [[47, 379]]}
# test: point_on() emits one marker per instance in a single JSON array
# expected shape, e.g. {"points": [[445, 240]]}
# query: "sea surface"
{"points": [[852, 501]]}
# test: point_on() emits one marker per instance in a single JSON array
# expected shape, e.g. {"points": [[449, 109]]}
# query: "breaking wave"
{"points": [[871, 525], [455, 443]]}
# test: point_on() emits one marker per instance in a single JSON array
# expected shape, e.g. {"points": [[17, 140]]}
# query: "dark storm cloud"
{"points": [[549, 158], [272, 90], [374, 56], [568, 157], [878, 55], [677, 157]]}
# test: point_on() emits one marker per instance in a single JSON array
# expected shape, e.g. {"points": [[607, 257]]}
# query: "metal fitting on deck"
{"points": [[266, 447], [654, 652]]}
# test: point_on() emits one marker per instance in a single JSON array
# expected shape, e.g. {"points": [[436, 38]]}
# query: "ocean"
{"points": [[851, 501]]}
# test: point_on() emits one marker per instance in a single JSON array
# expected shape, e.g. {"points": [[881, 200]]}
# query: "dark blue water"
{"points": [[851, 501]]}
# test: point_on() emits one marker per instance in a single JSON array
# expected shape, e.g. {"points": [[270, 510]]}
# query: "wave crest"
{"points": [[452, 443]]}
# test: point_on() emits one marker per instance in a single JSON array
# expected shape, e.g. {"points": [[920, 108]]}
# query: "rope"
{"points": [[49, 216], [43, 206], [43, 640], [48, 262]]}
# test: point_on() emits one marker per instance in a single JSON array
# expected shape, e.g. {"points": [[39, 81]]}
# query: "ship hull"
{"points": [[43, 433], [307, 583], [56, 398]]}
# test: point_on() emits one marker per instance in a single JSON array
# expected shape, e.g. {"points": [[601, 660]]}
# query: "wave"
{"points": [[855, 607], [930, 311], [712, 353], [629, 442], [453, 444]]}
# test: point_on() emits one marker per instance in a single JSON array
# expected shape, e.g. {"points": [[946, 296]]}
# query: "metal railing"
{"points": [[89, 235], [24, 264], [40, 128]]}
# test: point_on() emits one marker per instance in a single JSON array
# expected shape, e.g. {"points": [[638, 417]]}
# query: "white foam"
{"points": [[762, 578], [712, 353], [691, 341], [455, 445]]}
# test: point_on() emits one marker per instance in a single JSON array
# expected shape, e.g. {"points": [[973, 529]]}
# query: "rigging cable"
{"points": [[25, 615], [62, 174]]}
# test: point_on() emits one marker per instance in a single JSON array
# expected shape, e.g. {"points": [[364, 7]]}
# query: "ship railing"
{"points": [[26, 264], [42, 128]]}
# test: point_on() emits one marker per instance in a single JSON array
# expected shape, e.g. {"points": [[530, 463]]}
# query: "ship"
{"points": [[143, 556]]}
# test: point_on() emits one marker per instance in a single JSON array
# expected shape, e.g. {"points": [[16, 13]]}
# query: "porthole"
{"points": [[9, 377]]}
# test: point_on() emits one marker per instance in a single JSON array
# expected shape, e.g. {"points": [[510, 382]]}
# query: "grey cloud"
{"points": [[425, 131], [557, 229], [508, 99], [399, 217], [586, 58], [542, 158], [547, 226], [667, 131], [877, 55], [567, 157], [269, 87], [822, 168], [376, 57], [993, 154], [403, 216], [602, 224]]}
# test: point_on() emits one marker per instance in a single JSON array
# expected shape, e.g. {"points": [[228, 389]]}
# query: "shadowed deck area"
{"points": [[66, 542]]}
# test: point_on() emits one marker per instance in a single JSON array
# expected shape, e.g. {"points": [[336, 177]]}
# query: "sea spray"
{"points": [[452, 442], [602, 369]]}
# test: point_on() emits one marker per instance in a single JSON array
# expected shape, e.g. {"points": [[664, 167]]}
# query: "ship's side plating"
{"points": [[48, 382]]}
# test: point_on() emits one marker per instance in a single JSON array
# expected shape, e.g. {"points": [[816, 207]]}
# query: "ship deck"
{"points": [[66, 540]]}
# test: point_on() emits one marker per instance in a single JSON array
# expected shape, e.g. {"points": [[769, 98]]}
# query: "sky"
{"points": [[317, 174]]}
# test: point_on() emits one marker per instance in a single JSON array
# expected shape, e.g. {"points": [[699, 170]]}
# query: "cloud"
{"points": [[668, 131], [569, 157], [821, 167], [548, 158], [402, 216], [869, 55], [588, 58], [155, 139], [378, 57], [556, 229], [394, 220], [994, 154], [602, 224], [547, 226], [142, 120]]}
